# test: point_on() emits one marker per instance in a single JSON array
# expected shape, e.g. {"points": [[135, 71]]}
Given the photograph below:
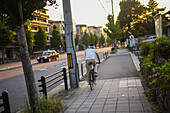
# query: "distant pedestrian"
{"points": [[132, 41]]}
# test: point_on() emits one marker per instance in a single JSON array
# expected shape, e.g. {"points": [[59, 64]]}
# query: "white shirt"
{"points": [[90, 53]]}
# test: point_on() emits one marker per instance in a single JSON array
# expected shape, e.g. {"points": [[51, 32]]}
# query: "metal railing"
{"points": [[5, 104], [52, 79], [105, 55], [83, 68]]}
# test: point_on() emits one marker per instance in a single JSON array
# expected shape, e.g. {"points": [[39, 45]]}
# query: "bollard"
{"points": [[44, 89], [6, 105], [78, 71], [65, 78], [82, 70]]}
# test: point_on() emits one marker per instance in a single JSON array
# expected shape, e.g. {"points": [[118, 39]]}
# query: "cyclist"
{"points": [[90, 57]]}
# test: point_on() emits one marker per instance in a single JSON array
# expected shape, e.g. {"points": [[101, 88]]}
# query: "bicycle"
{"points": [[92, 79]]}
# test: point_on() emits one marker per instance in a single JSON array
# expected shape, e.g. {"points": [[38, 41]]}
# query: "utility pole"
{"points": [[71, 54], [113, 19], [112, 9]]}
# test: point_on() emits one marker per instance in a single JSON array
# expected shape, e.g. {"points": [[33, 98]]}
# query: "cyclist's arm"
{"points": [[98, 57]]}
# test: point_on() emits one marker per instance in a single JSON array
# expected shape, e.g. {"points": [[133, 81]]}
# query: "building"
{"points": [[41, 20], [81, 29], [167, 14], [60, 27]]}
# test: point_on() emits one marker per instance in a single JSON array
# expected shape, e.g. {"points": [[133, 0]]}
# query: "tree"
{"points": [[85, 39], [102, 39], [6, 36], [77, 40], [29, 36], [41, 38], [113, 29], [92, 38], [56, 38], [108, 40], [18, 11], [96, 39], [129, 11]]}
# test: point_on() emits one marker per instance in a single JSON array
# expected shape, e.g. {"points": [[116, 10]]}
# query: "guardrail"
{"points": [[105, 55], [5, 103], [83, 68], [136, 51], [50, 80]]}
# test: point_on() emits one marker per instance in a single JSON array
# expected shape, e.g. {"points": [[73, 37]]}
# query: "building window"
{"points": [[33, 28]]}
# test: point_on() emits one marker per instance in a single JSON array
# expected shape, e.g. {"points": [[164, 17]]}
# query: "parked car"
{"points": [[150, 38], [48, 56]]}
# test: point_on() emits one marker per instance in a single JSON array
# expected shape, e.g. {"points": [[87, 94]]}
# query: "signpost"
{"points": [[71, 54], [158, 25]]}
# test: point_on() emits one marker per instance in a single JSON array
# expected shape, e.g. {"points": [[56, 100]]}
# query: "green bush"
{"points": [[50, 105], [145, 48], [114, 51], [156, 74], [163, 46]]}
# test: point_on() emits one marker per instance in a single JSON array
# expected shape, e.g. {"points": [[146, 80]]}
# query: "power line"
{"points": [[102, 6]]}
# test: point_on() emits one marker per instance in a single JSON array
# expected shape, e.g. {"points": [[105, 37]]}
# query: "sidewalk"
{"points": [[114, 94]]}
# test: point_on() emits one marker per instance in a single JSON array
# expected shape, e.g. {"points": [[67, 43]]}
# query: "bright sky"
{"points": [[91, 12]]}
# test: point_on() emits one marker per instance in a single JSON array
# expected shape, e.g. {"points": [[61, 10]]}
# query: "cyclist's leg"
{"points": [[88, 69], [94, 68]]}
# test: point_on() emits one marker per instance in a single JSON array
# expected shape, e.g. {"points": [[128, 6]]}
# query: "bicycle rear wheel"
{"points": [[91, 80]]}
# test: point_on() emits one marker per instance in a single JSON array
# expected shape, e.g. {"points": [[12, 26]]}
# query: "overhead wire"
{"points": [[102, 6]]}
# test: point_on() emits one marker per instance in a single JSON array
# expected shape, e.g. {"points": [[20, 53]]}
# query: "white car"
{"points": [[150, 38]]}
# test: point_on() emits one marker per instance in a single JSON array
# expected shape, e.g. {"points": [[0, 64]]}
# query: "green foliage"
{"points": [[85, 39], [41, 38], [51, 105], [10, 8], [96, 39], [77, 40], [139, 18], [163, 46], [108, 40], [114, 51], [92, 38], [56, 37], [145, 48], [129, 11], [6, 35], [113, 29], [157, 76], [162, 77], [29, 36], [102, 39]]}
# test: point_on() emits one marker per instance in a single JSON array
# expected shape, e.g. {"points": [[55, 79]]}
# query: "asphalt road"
{"points": [[12, 78], [120, 66]]}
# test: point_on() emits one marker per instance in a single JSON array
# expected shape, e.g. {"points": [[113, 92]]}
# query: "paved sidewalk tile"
{"points": [[123, 95]]}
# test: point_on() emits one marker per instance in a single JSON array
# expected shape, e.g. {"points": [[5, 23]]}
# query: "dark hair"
{"points": [[91, 44]]}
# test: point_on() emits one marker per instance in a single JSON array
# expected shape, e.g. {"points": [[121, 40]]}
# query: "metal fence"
{"points": [[51, 80], [5, 103], [105, 55]]}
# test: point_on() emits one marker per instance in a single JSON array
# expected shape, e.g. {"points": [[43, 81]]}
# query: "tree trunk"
{"points": [[115, 42], [27, 67], [112, 42]]}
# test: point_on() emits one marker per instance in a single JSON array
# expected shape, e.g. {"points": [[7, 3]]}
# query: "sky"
{"points": [[94, 12]]}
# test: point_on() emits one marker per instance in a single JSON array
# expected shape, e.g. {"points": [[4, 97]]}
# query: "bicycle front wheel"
{"points": [[91, 80]]}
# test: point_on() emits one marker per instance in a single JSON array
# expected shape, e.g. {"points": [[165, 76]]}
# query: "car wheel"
{"points": [[39, 61], [56, 58], [49, 60]]}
